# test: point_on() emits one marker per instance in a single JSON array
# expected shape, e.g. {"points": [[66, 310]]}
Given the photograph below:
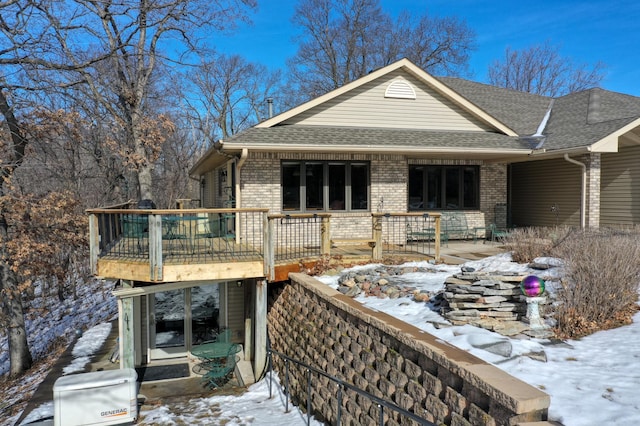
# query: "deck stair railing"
{"points": [[313, 377]]}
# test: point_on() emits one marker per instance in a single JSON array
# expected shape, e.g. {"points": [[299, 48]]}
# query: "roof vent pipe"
{"points": [[270, 105]]}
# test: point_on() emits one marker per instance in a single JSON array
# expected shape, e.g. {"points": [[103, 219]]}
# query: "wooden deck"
{"points": [[224, 260], [162, 246]]}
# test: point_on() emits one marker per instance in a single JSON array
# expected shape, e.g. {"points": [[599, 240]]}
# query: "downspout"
{"points": [[583, 195], [239, 164]]}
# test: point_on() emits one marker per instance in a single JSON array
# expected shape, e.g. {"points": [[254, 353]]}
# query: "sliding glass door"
{"points": [[180, 319], [166, 324]]}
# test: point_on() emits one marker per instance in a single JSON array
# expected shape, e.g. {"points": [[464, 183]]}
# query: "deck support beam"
{"points": [[260, 347], [126, 332]]}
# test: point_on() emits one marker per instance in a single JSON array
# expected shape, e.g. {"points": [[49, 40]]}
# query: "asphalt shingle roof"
{"points": [[578, 119], [373, 137], [522, 112]]}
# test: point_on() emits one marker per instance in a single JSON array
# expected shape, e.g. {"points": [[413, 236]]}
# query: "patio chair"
{"points": [[217, 229], [173, 231], [135, 227], [218, 371], [497, 234]]}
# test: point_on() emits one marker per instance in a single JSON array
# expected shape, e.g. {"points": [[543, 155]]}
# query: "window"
{"points": [[310, 186], [444, 187]]}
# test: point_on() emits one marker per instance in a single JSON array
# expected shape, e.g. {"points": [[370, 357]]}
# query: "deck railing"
{"points": [[191, 236], [177, 236]]}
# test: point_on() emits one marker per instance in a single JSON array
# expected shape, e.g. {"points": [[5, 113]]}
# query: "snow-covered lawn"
{"points": [[591, 381]]}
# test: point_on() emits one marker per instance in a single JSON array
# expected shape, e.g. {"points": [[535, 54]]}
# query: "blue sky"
{"points": [[585, 31]]}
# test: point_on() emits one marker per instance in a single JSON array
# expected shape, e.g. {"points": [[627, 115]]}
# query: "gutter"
{"points": [[374, 149], [583, 195]]}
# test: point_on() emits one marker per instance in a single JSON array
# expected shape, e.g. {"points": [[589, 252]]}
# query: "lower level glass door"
{"points": [[167, 324]]}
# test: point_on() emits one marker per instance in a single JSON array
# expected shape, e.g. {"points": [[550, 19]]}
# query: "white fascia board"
{"points": [[542, 153], [458, 99], [395, 149], [411, 68], [330, 95], [610, 142]]}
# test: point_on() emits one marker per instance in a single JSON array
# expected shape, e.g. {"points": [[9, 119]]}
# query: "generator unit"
{"points": [[96, 398]]}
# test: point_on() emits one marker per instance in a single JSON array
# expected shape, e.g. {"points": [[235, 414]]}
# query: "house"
{"points": [[400, 139], [395, 143]]}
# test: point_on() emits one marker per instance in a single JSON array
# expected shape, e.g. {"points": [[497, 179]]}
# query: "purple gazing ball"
{"points": [[532, 286]]}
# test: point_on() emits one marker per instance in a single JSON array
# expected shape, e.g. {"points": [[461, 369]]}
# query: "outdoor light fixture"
{"points": [[238, 283]]}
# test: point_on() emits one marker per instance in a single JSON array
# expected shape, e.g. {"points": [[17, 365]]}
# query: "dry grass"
{"points": [[18, 391], [528, 243], [600, 287]]}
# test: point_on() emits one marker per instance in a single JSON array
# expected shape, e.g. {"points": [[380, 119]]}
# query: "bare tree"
{"points": [[111, 51], [228, 94], [13, 149], [343, 40], [542, 70]]}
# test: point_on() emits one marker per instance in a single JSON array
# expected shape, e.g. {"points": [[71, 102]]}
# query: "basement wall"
{"points": [[311, 322]]}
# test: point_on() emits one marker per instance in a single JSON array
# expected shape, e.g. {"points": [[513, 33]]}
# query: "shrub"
{"points": [[600, 286], [525, 244]]}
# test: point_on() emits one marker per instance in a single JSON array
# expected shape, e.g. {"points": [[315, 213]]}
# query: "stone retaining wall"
{"points": [[313, 323]]}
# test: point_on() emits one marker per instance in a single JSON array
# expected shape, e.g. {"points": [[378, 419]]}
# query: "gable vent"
{"points": [[400, 89]]}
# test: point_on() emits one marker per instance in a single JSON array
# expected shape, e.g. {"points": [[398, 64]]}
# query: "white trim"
{"points": [[610, 142], [156, 288], [412, 69]]}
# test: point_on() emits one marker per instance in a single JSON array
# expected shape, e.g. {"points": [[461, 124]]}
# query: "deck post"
{"points": [[325, 236], [268, 246], [94, 243], [155, 247], [437, 217], [376, 251], [260, 359], [126, 333]]}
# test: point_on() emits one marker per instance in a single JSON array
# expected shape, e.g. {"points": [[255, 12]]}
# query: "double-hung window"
{"points": [[311, 186], [444, 187]]}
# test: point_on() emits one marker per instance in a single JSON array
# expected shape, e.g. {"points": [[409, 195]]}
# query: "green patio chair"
{"points": [[497, 234], [173, 231], [135, 227], [217, 229], [218, 371]]}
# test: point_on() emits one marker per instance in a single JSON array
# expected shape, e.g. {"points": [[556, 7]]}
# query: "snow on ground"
{"points": [[254, 407], [49, 319], [591, 381]]}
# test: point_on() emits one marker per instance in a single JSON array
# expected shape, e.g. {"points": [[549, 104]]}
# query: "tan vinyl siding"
{"points": [[536, 186], [208, 193], [235, 311], [620, 187], [367, 106], [141, 318]]}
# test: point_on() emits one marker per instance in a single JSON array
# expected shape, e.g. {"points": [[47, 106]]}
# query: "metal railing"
{"points": [[184, 236], [178, 235], [409, 233], [341, 385], [297, 236]]}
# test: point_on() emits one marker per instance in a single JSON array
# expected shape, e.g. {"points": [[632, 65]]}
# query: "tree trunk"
{"points": [[145, 180], [19, 355], [10, 297]]}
